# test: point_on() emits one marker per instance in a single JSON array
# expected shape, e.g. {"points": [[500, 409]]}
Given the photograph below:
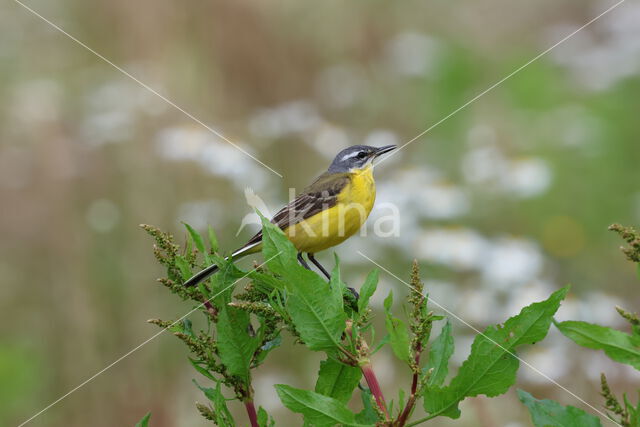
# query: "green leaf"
{"points": [[221, 412], [235, 345], [263, 418], [367, 290], [368, 415], [619, 346], [337, 380], [315, 307], [184, 267], [200, 369], [439, 354], [318, 410], [144, 422], [213, 241], [267, 347], [547, 413], [184, 326], [197, 239], [398, 333], [491, 367], [278, 252], [222, 282]]}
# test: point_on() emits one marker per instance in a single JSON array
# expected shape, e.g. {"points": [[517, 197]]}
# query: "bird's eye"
{"points": [[362, 155]]}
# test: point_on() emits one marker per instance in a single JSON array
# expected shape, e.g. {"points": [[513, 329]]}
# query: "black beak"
{"points": [[383, 150]]}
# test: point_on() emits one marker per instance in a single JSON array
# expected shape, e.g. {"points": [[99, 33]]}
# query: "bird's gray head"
{"points": [[357, 157]]}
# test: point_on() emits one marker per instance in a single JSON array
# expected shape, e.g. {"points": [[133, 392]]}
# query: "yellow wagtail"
{"points": [[327, 212]]}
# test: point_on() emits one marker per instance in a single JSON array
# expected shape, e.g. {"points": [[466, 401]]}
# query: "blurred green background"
{"points": [[502, 203]]}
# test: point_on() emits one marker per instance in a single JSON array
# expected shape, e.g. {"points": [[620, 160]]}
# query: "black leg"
{"points": [[317, 264], [302, 261]]}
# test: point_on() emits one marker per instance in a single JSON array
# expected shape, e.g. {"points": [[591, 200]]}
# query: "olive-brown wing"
{"points": [[320, 195]]}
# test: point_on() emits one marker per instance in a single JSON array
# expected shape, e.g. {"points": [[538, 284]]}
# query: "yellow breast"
{"points": [[336, 224]]}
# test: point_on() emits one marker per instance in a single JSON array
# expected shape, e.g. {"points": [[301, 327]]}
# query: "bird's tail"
{"points": [[207, 272], [201, 276]]}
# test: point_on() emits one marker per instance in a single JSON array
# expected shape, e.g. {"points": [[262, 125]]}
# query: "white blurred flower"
{"points": [[461, 249], [425, 195], [477, 305], [107, 127], [600, 61], [527, 178], [442, 201], [521, 296], [553, 361], [599, 307], [484, 164], [112, 110], [288, 118], [380, 138], [442, 294], [329, 140], [214, 155], [511, 261], [124, 95]]}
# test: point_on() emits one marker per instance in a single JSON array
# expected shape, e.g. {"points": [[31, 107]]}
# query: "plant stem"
{"points": [[404, 416], [251, 411], [374, 386]]}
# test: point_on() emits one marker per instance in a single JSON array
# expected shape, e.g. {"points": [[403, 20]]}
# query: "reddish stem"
{"points": [[251, 411], [213, 312], [414, 384], [374, 386], [404, 417]]}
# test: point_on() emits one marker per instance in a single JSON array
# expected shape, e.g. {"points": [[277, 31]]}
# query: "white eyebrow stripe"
{"points": [[350, 155]]}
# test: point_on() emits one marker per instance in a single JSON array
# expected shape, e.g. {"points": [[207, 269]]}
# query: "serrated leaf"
{"points": [[277, 250], [398, 333], [367, 290], [236, 347], [547, 413], [315, 307], [318, 410], [439, 354], [337, 380], [144, 422], [199, 242], [619, 346], [491, 367]]}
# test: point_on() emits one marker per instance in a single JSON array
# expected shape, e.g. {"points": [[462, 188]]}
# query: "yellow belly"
{"points": [[336, 224]]}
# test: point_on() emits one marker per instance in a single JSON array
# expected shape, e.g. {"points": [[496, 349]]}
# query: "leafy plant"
{"points": [[619, 346], [245, 322]]}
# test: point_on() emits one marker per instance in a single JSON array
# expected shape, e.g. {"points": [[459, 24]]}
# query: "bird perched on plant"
{"points": [[326, 213]]}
